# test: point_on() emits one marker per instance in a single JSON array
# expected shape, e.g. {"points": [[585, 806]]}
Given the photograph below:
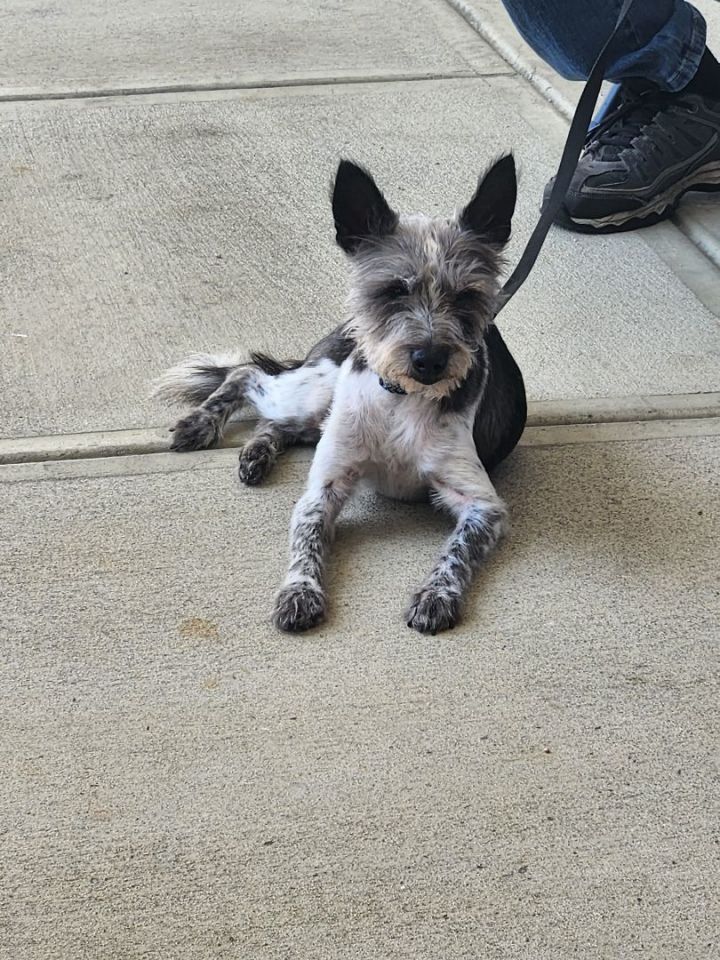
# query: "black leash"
{"points": [[568, 162]]}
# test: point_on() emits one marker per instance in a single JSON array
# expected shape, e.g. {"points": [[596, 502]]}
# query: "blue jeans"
{"points": [[661, 41]]}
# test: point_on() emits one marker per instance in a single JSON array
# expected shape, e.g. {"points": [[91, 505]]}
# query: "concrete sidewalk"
{"points": [[182, 782]]}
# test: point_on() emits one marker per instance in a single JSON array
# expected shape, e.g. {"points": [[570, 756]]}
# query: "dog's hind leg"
{"points": [[268, 441], [294, 394], [292, 406], [203, 426], [259, 454], [294, 398]]}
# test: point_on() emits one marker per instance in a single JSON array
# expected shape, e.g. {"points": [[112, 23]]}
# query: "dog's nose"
{"points": [[429, 363]]}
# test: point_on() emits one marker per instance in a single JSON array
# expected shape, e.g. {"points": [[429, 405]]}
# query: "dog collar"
{"points": [[391, 387]]}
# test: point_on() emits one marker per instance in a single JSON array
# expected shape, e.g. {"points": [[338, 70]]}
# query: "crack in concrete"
{"points": [[135, 461], [40, 96], [544, 416]]}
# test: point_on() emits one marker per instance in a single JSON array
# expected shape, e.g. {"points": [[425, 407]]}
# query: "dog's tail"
{"points": [[195, 378]]}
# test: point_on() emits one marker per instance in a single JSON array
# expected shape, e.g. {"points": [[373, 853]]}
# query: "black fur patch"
{"points": [[467, 393], [336, 346], [213, 377], [359, 362], [274, 367], [501, 416]]}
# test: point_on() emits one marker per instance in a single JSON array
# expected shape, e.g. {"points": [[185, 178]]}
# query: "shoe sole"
{"points": [[705, 179]]}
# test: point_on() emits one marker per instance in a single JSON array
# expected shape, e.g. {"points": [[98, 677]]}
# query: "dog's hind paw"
{"points": [[198, 431], [256, 461], [433, 610], [298, 607]]}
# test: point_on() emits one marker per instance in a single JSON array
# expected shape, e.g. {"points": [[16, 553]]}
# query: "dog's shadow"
{"points": [[595, 516], [594, 513]]}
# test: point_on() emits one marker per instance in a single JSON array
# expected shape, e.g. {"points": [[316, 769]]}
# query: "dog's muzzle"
{"points": [[428, 364]]}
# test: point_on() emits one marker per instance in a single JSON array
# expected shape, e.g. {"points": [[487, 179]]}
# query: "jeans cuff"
{"points": [[691, 55]]}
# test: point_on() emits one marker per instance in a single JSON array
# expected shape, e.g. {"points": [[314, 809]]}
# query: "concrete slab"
{"points": [[137, 231], [65, 48], [179, 780], [699, 218]]}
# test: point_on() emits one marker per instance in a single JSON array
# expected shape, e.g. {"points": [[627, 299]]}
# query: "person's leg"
{"points": [[657, 136], [660, 41]]}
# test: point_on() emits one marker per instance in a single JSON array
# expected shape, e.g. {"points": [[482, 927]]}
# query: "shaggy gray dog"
{"points": [[415, 393]]}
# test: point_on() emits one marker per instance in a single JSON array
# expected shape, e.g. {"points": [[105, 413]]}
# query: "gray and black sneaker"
{"points": [[641, 158]]}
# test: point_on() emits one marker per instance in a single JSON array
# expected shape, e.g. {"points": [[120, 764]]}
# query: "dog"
{"points": [[415, 393]]}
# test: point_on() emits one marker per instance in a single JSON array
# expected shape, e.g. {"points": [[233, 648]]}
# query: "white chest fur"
{"points": [[393, 441]]}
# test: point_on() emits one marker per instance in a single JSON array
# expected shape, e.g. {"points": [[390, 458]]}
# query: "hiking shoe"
{"points": [[647, 151]]}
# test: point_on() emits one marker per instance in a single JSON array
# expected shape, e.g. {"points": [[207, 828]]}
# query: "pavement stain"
{"points": [[197, 628]]}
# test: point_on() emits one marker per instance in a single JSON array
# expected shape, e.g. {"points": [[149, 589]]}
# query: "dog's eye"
{"points": [[395, 290], [466, 300]]}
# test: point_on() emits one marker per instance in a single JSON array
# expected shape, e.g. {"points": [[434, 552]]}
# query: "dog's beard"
{"points": [[390, 362]]}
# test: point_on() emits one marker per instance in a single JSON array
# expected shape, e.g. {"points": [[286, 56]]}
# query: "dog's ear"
{"points": [[360, 210], [489, 213]]}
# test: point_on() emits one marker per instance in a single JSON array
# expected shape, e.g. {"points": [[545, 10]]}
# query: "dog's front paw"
{"points": [[433, 609], [197, 431], [299, 606], [256, 461]]}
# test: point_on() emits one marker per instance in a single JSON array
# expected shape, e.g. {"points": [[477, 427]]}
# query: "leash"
{"points": [[568, 162], [566, 168]]}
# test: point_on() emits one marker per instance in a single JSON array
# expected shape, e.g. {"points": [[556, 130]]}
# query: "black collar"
{"points": [[392, 387]]}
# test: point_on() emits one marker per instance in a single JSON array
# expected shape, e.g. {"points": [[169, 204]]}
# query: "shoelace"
{"points": [[626, 123]]}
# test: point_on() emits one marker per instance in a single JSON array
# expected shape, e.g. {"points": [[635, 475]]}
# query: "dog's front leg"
{"points": [[466, 491], [302, 602]]}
